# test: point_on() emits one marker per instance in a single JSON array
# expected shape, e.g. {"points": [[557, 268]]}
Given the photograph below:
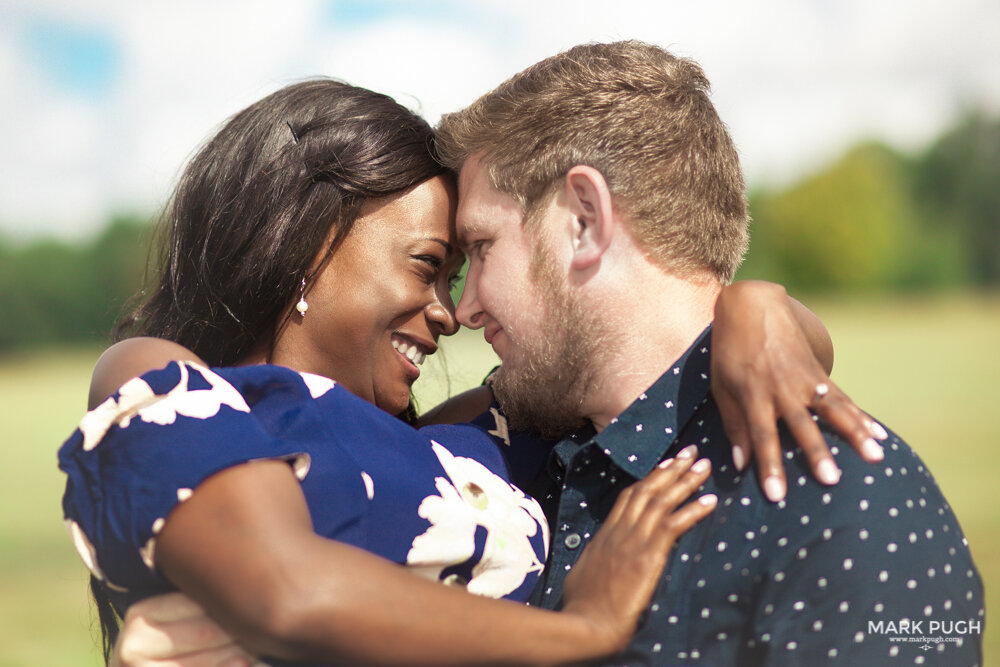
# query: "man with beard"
{"points": [[602, 206]]}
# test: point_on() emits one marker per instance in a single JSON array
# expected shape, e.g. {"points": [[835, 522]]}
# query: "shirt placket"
{"points": [[582, 476]]}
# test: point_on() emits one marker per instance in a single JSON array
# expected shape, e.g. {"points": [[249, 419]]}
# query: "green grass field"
{"points": [[926, 367]]}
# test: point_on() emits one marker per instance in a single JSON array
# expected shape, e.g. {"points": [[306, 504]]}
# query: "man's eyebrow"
{"points": [[464, 232]]}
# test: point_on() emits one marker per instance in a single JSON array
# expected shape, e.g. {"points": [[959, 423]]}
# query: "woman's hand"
{"points": [[617, 573], [767, 351], [172, 630]]}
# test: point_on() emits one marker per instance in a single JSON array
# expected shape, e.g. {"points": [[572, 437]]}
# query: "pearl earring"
{"points": [[302, 306]]}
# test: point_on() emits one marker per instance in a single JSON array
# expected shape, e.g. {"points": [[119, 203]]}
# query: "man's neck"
{"points": [[651, 324]]}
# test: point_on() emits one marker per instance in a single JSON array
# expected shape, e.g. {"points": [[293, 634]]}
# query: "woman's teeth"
{"points": [[411, 352]]}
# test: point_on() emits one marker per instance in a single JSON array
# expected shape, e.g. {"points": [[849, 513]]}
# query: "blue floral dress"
{"points": [[437, 500]]}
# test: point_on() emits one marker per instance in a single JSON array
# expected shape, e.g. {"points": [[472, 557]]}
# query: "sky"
{"points": [[104, 100]]}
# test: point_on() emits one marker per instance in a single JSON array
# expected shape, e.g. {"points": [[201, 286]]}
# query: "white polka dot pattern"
{"points": [[805, 581]]}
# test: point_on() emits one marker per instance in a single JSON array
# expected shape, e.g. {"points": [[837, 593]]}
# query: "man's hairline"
{"points": [[699, 274], [527, 210]]}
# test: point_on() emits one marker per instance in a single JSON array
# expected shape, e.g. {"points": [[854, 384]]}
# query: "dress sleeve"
{"points": [[143, 451]]}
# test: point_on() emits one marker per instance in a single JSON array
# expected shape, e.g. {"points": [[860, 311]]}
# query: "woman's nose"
{"points": [[442, 314]]}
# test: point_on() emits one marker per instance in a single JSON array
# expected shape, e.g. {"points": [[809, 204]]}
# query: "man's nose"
{"points": [[468, 311]]}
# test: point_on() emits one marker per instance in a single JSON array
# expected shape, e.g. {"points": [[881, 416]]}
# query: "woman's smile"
{"points": [[382, 299]]}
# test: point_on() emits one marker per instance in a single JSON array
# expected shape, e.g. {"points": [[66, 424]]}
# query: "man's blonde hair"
{"points": [[639, 115]]}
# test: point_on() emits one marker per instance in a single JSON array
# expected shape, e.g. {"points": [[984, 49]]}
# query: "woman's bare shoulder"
{"points": [[131, 358]]}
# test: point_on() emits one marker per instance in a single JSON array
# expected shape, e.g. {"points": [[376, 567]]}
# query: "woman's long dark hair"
{"points": [[256, 205], [254, 209]]}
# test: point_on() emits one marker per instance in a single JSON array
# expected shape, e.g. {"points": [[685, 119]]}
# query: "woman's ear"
{"points": [[589, 199]]}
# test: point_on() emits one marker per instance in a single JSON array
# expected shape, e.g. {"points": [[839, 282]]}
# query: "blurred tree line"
{"points": [[873, 220], [53, 291], [879, 220]]}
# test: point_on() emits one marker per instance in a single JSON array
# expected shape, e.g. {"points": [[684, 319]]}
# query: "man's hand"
{"points": [[173, 631], [769, 356]]}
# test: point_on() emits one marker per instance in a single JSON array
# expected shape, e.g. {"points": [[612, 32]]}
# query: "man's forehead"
{"points": [[480, 205], [474, 187], [469, 216]]}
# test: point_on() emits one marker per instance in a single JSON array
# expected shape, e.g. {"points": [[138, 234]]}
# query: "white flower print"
{"points": [[136, 397], [86, 550], [317, 384], [369, 485], [88, 553], [501, 430], [473, 496]]}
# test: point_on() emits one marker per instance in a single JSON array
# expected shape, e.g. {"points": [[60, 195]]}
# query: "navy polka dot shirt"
{"points": [[872, 571]]}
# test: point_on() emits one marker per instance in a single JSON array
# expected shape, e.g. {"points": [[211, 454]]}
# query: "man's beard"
{"points": [[543, 385]]}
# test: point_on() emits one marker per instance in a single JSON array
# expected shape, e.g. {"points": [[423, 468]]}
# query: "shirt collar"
{"points": [[639, 437]]}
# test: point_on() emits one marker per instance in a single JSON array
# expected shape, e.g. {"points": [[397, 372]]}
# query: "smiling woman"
{"points": [[383, 298], [309, 258], [265, 206]]}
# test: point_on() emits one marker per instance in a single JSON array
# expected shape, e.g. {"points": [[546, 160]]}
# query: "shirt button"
{"points": [[572, 541]]}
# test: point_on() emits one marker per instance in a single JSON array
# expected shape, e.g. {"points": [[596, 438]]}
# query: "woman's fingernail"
{"points": [[878, 430], [665, 463], [774, 488], [240, 661], [709, 499], [702, 465], [688, 452], [827, 471], [739, 460], [872, 450]]}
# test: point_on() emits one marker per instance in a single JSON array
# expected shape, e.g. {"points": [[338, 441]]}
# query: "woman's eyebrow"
{"points": [[449, 249]]}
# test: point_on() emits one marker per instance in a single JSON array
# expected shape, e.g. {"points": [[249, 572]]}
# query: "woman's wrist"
{"points": [[750, 294]]}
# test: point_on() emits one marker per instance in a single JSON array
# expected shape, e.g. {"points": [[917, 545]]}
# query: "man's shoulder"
{"points": [[883, 525], [884, 535], [810, 577], [886, 496]]}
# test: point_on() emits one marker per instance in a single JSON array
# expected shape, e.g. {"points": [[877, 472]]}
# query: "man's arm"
{"points": [[172, 630], [459, 409]]}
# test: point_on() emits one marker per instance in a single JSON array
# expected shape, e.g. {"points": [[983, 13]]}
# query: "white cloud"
{"points": [[796, 81], [430, 68]]}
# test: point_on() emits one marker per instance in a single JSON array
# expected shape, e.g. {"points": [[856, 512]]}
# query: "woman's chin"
{"points": [[396, 404]]}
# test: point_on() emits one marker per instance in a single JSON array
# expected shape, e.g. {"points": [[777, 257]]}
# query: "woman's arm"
{"points": [[131, 358], [769, 353], [252, 560]]}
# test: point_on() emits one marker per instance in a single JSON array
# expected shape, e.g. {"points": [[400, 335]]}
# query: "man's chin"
{"points": [[544, 381], [531, 404]]}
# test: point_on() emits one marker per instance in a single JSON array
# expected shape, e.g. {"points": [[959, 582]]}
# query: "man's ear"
{"points": [[589, 199]]}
